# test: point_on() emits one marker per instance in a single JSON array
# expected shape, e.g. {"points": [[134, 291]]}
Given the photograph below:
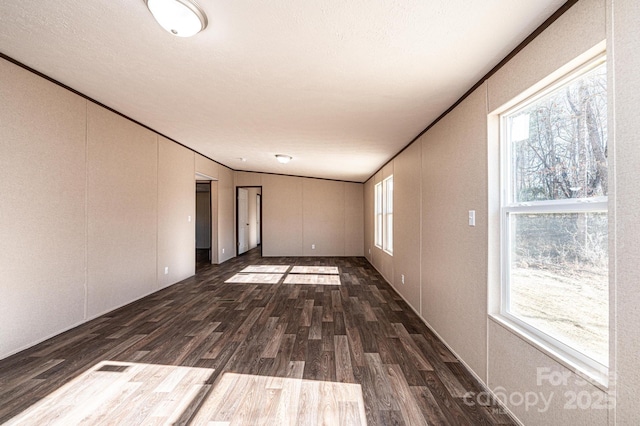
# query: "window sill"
{"points": [[596, 377]]}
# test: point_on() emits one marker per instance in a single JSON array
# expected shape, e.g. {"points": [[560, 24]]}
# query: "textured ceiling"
{"points": [[341, 86]]}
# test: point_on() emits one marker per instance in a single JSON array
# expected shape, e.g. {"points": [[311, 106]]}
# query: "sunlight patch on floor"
{"points": [[312, 279], [247, 399], [272, 274], [122, 393], [314, 270], [255, 278], [266, 269]]}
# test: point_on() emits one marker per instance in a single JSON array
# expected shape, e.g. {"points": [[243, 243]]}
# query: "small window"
{"points": [[388, 215], [554, 190], [378, 215]]}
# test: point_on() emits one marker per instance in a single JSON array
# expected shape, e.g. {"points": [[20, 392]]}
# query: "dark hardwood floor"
{"points": [[205, 351]]}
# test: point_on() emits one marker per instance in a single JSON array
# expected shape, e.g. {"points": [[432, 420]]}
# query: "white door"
{"points": [[258, 210], [243, 220]]}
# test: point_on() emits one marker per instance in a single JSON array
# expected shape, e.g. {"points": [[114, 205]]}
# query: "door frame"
{"points": [[210, 211], [237, 216]]}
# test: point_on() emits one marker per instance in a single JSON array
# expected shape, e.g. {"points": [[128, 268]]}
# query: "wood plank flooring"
{"points": [[208, 352]]}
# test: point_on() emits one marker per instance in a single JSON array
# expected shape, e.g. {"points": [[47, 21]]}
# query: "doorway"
{"points": [[203, 224], [248, 218]]}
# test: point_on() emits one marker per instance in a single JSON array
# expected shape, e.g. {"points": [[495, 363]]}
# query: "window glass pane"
{"points": [[389, 235], [559, 278], [378, 214], [388, 214], [559, 142]]}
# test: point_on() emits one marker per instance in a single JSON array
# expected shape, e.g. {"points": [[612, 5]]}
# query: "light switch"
{"points": [[472, 218]]}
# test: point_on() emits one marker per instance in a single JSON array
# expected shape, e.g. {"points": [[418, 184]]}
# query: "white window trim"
{"points": [[386, 214], [559, 350], [378, 214], [593, 370]]}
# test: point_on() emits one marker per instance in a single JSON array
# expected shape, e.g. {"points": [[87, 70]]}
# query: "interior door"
{"points": [[243, 220], [258, 218]]}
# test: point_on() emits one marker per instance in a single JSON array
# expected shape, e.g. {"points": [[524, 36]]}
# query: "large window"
{"points": [[378, 215], [554, 217], [384, 214], [388, 215]]}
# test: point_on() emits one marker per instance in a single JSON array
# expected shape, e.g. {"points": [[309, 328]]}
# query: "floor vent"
{"points": [[112, 368]]}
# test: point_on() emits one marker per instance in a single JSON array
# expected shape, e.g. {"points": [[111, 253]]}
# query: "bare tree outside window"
{"points": [[555, 213]]}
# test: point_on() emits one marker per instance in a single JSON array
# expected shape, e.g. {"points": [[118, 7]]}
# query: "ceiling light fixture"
{"points": [[284, 159], [183, 18]]}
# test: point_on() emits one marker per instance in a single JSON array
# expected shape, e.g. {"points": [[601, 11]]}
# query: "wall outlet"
{"points": [[472, 218], [313, 246], [402, 276], [166, 270], [222, 251], [369, 251], [189, 219]]}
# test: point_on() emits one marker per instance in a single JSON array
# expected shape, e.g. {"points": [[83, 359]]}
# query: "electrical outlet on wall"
{"points": [[402, 276], [166, 270], [222, 251], [313, 246]]}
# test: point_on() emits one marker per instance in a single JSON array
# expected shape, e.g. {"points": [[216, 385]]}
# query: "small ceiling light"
{"points": [[284, 159], [183, 18]]}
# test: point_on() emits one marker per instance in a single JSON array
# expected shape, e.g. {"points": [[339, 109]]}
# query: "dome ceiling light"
{"points": [[284, 159], [183, 18]]}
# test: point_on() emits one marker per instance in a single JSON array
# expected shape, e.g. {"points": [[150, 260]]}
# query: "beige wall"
{"points": [[206, 167], [458, 264], [300, 212], [226, 215], [407, 225], [248, 179], [454, 255], [323, 215], [353, 219], [122, 210], [368, 219], [513, 371], [42, 209], [281, 216], [176, 212], [93, 208], [624, 84]]}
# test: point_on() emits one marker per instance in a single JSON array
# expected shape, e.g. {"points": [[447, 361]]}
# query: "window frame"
{"points": [[387, 232], [579, 360], [378, 215]]}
